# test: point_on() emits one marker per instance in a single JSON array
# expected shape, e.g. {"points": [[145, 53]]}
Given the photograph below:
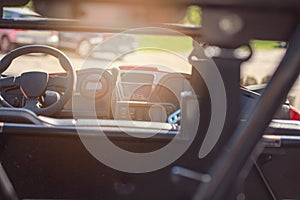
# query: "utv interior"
{"points": [[144, 131]]}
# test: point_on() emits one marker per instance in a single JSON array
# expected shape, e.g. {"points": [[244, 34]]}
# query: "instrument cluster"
{"points": [[127, 94]]}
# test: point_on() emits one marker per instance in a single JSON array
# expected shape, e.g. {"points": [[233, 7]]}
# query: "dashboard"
{"points": [[124, 93], [127, 93]]}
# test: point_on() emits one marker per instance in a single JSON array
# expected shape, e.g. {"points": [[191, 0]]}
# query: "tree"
{"points": [[192, 16]]}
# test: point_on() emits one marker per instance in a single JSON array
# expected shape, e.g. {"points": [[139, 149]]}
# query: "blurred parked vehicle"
{"points": [[12, 38], [83, 43]]}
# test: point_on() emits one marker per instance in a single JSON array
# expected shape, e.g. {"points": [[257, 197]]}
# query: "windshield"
{"points": [[132, 50], [129, 75]]}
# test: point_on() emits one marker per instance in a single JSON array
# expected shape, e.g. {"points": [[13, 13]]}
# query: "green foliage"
{"points": [[192, 16], [263, 44], [173, 43], [30, 5]]}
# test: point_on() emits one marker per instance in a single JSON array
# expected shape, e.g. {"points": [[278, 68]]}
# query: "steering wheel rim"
{"points": [[65, 63]]}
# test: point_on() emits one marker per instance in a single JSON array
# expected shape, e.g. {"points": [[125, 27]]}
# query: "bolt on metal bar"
{"points": [[7, 191]]}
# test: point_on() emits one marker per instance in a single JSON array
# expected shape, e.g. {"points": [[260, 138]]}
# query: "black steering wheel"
{"points": [[33, 85]]}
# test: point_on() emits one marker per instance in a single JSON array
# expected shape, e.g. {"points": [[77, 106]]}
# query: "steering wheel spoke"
{"points": [[58, 82], [9, 82], [33, 104]]}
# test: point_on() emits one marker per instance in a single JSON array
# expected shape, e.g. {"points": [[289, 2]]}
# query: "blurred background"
{"points": [[255, 73]]}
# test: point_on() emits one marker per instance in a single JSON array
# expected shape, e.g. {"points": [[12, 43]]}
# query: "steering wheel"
{"points": [[33, 85]]}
